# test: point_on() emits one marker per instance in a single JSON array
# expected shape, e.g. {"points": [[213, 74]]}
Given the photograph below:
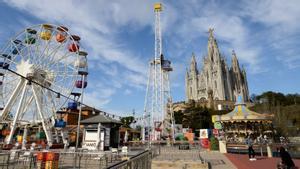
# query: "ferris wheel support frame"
{"points": [[12, 98], [26, 106], [39, 108], [24, 141], [13, 125]]}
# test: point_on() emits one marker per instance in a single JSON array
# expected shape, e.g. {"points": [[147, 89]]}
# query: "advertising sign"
{"points": [[216, 132], [204, 142], [189, 136], [213, 118], [203, 133], [218, 125]]}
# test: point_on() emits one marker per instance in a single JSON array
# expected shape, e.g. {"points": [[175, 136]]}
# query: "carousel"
{"points": [[241, 122]]}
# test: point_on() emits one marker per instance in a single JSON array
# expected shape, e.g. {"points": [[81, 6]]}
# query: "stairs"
{"points": [[179, 165]]}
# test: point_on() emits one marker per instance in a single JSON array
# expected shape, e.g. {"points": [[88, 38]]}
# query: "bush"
{"points": [[214, 143], [180, 137]]}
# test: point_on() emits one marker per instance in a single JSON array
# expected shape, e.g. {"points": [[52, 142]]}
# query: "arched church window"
{"points": [[215, 84]]}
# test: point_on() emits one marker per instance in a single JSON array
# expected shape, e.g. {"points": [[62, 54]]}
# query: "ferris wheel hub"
{"points": [[31, 72], [24, 68]]}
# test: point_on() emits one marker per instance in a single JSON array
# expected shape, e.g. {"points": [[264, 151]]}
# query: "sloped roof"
{"points": [[241, 112], [100, 119]]}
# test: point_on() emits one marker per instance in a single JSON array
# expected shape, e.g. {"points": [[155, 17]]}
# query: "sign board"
{"points": [[218, 125], [213, 118], [189, 136], [91, 135], [204, 142], [203, 133], [215, 132]]}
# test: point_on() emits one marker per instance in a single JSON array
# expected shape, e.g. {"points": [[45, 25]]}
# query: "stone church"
{"points": [[215, 79]]}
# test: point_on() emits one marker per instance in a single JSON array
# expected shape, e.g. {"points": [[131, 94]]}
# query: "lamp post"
{"points": [[83, 76]]}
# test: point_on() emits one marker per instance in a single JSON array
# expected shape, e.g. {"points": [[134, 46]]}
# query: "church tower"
{"points": [[192, 80], [239, 79], [216, 80]]}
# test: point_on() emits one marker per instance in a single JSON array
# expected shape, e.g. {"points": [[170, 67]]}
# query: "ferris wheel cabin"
{"points": [[16, 47], [74, 46], [31, 36]]}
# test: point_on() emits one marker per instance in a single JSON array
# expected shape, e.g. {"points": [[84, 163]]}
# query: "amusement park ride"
{"points": [[40, 69], [158, 113]]}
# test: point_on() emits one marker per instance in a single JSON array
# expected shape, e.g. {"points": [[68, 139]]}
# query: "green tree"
{"points": [[285, 108], [196, 117], [126, 121], [178, 116]]}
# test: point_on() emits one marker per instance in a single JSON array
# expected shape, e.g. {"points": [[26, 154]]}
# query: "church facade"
{"points": [[215, 80]]}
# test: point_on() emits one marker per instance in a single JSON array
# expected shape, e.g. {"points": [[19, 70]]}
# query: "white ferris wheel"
{"points": [[40, 69]]}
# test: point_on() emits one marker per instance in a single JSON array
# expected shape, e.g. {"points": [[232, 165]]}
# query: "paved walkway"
{"points": [[173, 158], [217, 160], [242, 161]]}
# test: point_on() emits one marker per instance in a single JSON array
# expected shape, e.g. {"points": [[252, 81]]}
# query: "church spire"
{"points": [[193, 63], [235, 62], [212, 47], [211, 38], [211, 35], [243, 70], [234, 55], [187, 72], [193, 58]]}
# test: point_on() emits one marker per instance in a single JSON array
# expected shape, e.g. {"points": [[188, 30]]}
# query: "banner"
{"points": [[218, 125], [203, 133], [204, 142], [216, 132]]}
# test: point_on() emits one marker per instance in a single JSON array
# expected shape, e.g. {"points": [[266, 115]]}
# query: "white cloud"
{"points": [[230, 31], [92, 99], [127, 92], [98, 24], [281, 20], [276, 13]]}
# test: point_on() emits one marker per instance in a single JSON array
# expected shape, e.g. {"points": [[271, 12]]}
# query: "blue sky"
{"points": [[119, 37]]}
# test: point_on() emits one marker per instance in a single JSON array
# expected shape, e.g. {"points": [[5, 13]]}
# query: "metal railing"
{"points": [[28, 160], [140, 157], [139, 161]]}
